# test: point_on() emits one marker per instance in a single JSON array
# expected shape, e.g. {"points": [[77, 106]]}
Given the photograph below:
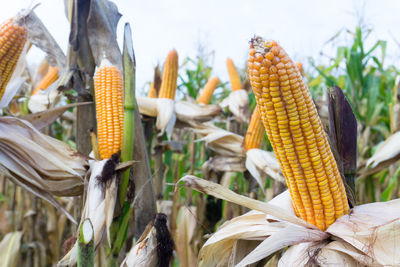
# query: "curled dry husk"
{"points": [[99, 206], [167, 111], [223, 142], [262, 163], [10, 249], [144, 252], [238, 103], [41, 164], [44, 99], [368, 236], [387, 152], [163, 109]]}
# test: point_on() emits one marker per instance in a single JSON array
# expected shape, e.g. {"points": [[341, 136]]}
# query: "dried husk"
{"points": [[368, 236], [99, 207], [238, 103], [144, 252], [41, 164], [223, 142], [261, 164], [387, 153], [10, 249]]}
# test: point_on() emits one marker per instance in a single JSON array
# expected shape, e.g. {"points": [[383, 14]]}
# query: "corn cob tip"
{"points": [[234, 76], [170, 76]]}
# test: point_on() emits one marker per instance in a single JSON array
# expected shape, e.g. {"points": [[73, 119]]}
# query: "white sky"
{"points": [[225, 26]]}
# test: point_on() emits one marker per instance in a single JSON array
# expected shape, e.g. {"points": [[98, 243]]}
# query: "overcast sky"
{"points": [[225, 26]]}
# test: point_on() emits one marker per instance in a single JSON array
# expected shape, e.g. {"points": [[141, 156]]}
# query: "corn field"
{"points": [[285, 163]]}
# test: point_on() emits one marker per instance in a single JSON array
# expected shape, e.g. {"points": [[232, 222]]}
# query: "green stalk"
{"points": [[86, 244], [129, 64]]}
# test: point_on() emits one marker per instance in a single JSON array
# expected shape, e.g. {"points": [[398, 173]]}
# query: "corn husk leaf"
{"points": [[221, 192], [185, 234], [163, 109], [226, 164], [387, 153], [288, 236], [144, 252], [44, 99], [238, 103], [99, 207], [241, 249], [40, 37], [10, 249], [41, 164], [343, 136], [262, 163], [189, 111], [102, 24], [223, 142], [368, 236], [44, 118]]}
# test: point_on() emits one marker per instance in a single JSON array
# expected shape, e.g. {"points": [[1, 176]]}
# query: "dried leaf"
{"points": [[102, 24], [221, 192], [41, 164], [40, 37], [44, 118], [10, 249]]}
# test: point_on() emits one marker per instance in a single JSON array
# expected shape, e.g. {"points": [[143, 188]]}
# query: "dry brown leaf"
{"points": [[44, 118]]}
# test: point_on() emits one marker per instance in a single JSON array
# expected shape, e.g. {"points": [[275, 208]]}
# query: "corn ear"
{"points": [[152, 91], [207, 93], [255, 131], [296, 134], [12, 41], [108, 93], [50, 77], [234, 76], [170, 76]]}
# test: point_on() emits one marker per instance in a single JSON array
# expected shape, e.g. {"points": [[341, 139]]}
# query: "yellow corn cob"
{"points": [[109, 99], [233, 75], [152, 92], [206, 94], [12, 41], [255, 131], [50, 77], [296, 134], [170, 76]]}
